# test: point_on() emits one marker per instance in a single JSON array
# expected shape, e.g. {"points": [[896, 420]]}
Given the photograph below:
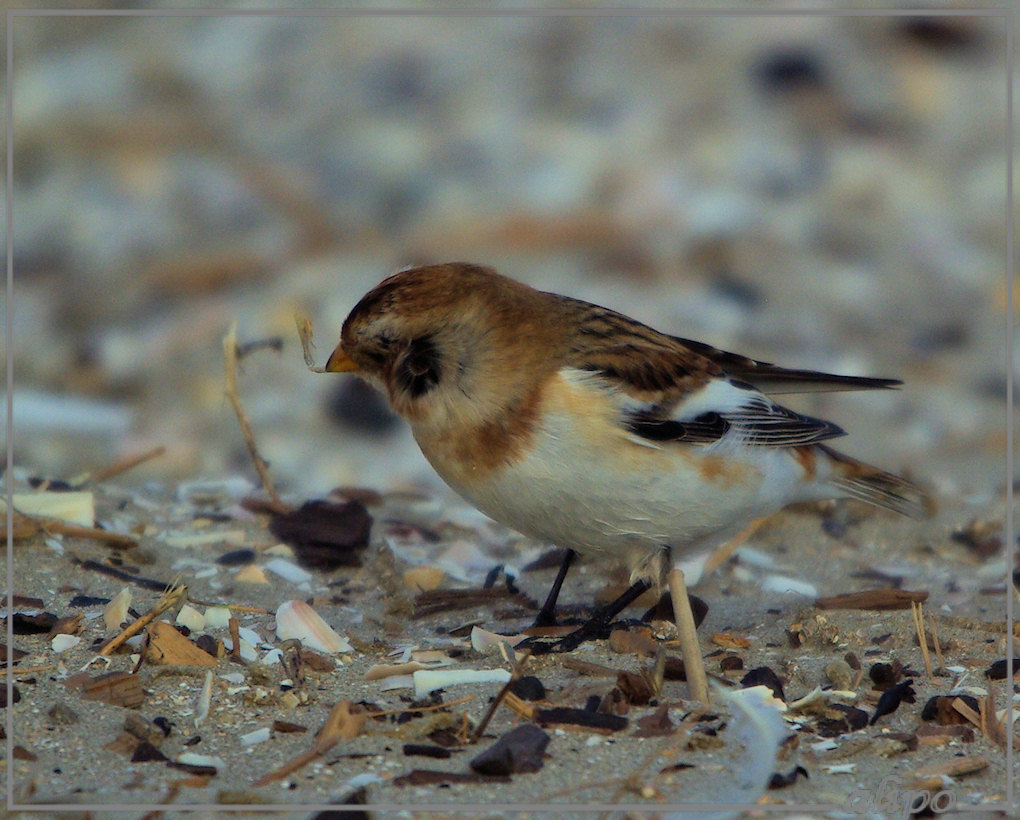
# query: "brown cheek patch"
{"points": [[711, 468], [501, 441], [723, 472], [807, 460]]}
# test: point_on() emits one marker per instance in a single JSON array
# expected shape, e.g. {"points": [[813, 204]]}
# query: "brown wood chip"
{"points": [[118, 688], [878, 599], [168, 646], [444, 600], [727, 640], [286, 727], [957, 767]]}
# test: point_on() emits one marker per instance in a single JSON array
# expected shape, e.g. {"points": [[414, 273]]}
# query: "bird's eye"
{"points": [[418, 370]]}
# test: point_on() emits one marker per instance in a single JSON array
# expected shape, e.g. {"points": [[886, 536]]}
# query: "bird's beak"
{"points": [[340, 362]]}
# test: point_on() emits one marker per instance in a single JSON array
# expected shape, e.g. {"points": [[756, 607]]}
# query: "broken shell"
{"points": [[257, 736], [191, 618], [423, 579], [62, 642], [785, 585], [204, 700], [115, 612], [72, 507], [428, 680], [296, 619], [193, 759], [251, 574], [217, 616], [288, 571], [484, 641]]}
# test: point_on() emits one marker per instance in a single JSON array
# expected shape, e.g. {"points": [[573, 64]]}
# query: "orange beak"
{"points": [[340, 362]]}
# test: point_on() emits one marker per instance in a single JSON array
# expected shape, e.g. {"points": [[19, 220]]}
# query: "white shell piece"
{"points": [[428, 680], [61, 643], [204, 700], [192, 759], [191, 618], [115, 612], [288, 571], [296, 619], [785, 585], [258, 736], [396, 682], [486, 642], [74, 508], [217, 617]]}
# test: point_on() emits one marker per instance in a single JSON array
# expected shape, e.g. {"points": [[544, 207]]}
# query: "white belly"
{"points": [[601, 492]]}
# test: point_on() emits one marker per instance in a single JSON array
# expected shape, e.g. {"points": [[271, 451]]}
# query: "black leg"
{"points": [[594, 627], [547, 614]]}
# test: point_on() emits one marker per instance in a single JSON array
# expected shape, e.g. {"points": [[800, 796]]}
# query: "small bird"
{"points": [[578, 426]]}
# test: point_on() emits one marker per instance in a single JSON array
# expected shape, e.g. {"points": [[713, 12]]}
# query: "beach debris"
{"points": [[165, 645], [117, 688], [998, 670], [429, 680], [297, 620], [171, 598], [68, 507], [230, 351], [288, 571], [344, 722], [873, 599], [423, 579], [892, 698], [204, 700], [62, 642], [781, 781], [519, 750], [845, 719], [116, 611], [764, 676], [325, 535], [564, 717]]}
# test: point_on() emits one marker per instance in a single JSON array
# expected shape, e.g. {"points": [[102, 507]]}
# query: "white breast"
{"points": [[588, 484]]}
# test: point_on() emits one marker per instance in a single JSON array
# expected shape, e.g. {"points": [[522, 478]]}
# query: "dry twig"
{"points": [[230, 361], [935, 640], [518, 670], [343, 723], [917, 612], [174, 596], [26, 526], [122, 466]]}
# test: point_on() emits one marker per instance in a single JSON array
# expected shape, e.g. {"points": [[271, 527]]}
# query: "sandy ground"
{"points": [[820, 192]]}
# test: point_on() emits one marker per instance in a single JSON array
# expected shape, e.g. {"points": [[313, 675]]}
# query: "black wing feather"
{"points": [[758, 422], [773, 379]]}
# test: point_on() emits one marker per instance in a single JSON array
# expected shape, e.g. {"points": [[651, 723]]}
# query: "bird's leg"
{"points": [[594, 627], [547, 614]]}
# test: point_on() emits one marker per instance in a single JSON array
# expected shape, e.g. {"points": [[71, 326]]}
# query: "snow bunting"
{"points": [[578, 426]]}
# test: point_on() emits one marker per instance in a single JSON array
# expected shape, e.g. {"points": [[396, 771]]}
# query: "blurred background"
{"points": [[823, 192]]}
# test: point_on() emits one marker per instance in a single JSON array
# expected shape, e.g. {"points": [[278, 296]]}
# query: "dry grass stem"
{"points": [[230, 362], [917, 612], [305, 334], [515, 675], [173, 597], [123, 465], [688, 635], [344, 722]]}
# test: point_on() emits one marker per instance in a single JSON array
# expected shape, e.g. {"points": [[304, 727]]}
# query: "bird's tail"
{"points": [[874, 486]]}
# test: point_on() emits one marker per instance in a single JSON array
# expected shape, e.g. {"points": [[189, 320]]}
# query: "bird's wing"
{"points": [[674, 389], [772, 379]]}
